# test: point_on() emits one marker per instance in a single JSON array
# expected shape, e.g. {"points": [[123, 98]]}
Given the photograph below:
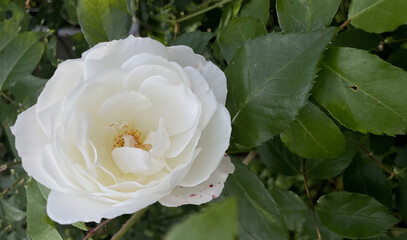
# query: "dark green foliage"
{"points": [[317, 88]]}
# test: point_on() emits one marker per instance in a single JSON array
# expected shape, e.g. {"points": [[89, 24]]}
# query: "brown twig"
{"points": [[5, 191], [11, 100], [249, 157], [93, 230], [304, 173], [394, 41], [345, 23], [7, 165], [377, 162]]}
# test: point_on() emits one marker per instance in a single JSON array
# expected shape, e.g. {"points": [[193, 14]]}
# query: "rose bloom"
{"points": [[130, 123]]}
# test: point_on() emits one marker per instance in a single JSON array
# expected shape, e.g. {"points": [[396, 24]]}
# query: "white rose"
{"points": [[130, 123]]}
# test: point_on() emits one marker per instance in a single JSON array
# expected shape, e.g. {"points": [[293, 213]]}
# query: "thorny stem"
{"points": [[11, 100], [345, 23], [93, 230], [219, 4], [395, 41], [377, 162], [5, 191], [249, 157], [304, 173], [128, 224], [7, 165]]}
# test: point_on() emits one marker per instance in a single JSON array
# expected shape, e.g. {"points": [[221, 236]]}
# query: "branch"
{"points": [[7, 165], [128, 224], [345, 23], [192, 15], [304, 173], [378, 163], [249, 157], [93, 230], [19, 105], [5, 191]]}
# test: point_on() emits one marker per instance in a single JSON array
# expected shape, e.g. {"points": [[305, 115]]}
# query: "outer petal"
{"points": [[215, 78], [203, 192], [67, 76], [185, 56], [205, 94], [214, 142], [69, 208], [113, 54], [30, 144]]}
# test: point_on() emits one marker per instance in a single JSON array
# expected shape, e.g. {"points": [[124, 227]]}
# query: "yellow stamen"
{"points": [[129, 137]]}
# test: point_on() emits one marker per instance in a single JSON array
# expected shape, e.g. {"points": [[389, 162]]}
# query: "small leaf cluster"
{"points": [[316, 93]]}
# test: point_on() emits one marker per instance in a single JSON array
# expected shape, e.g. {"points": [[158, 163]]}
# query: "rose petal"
{"points": [[30, 143], [212, 151], [216, 80], [67, 208], [123, 106], [56, 89], [136, 161], [185, 56], [159, 140], [203, 192], [113, 54], [176, 104], [201, 89]]}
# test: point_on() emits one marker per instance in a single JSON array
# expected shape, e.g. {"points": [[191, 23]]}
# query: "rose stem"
{"points": [[377, 162], [19, 181], [304, 173], [219, 4], [7, 165], [93, 230], [128, 224], [249, 157]]}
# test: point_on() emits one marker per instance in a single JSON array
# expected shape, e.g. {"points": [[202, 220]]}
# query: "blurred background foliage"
{"points": [[37, 35]]}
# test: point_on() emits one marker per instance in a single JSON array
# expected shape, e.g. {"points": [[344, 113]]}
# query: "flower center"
{"points": [[129, 137]]}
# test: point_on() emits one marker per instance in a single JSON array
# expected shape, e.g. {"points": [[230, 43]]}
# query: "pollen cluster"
{"points": [[124, 133]]}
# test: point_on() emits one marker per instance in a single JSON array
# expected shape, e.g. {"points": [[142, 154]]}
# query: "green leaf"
{"points": [[292, 208], [310, 15], [27, 90], [354, 215], [357, 38], [12, 213], [259, 9], [378, 16], [103, 20], [278, 158], [236, 33], [198, 41], [366, 177], [8, 31], [37, 219], [401, 158], [310, 231], [206, 224], [44, 190], [313, 135], [259, 217], [80, 225], [19, 58], [401, 198], [402, 237], [269, 80], [359, 90], [327, 168], [399, 58]]}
